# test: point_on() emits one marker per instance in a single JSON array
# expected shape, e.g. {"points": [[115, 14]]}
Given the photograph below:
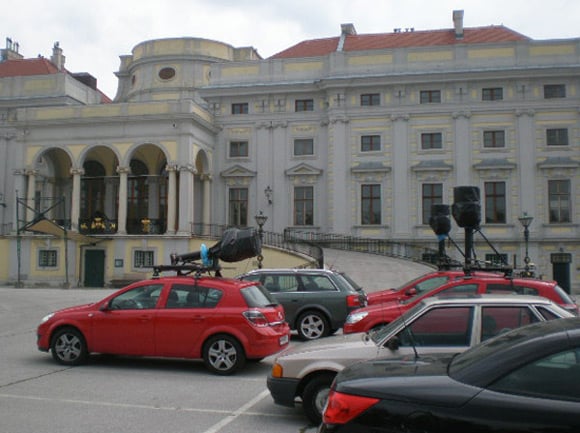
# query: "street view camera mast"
{"points": [[466, 211], [236, 245]]}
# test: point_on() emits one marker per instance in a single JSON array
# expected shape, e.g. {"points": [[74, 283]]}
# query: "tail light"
{"points": [[256, 318], [341, 408], [354, 301]]}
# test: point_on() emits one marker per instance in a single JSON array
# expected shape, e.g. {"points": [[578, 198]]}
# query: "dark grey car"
{"points": [[316, 301]]}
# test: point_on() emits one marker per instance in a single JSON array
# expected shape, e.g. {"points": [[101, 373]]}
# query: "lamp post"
{"points": [[260, 220], [526, 221]]}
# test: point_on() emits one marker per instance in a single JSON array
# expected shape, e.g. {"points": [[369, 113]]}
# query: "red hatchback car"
{"points": [[373, 316], [421, 284], [222, 321]]}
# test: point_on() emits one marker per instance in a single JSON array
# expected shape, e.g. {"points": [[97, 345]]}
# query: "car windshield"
{"points": [[427, 286], [257, 296], [378, 336]]}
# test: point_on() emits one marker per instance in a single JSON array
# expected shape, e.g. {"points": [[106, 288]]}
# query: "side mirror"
{"points": [[394, 343], [411, 292]]}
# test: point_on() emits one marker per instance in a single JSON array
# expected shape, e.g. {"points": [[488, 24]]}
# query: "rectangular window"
{"points": [[559, 201], [371, 204], [554, 91], [431, 140], [143, 259], [370, 143], [303, 146], [240, 108], [47, 258], [493, 139], [238, 207], [430, 96], [304, 206], [492, 94], [557, 137], [495, 202], [238, 149], [304, 105], [432, 193], [368, 99]]}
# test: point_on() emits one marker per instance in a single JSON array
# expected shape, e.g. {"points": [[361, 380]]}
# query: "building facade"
{"points": [[356, 134]]}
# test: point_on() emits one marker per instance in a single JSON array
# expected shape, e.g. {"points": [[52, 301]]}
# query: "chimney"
{"points": [[57, 57], [347, 29], [11, 51], [458, 23]]}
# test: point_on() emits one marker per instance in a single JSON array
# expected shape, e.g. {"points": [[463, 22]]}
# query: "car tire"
{"points": [[312, 325], [223, 355], [68, 347], [315, 395]]}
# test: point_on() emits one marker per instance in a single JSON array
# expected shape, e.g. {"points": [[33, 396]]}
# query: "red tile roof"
{"points": [[19, 67], [479, 35], [36, 66]]}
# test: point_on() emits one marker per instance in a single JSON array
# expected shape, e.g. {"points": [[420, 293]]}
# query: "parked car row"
{"points": [[525, 380], [303, 375], [449, 283], [411, 331]]}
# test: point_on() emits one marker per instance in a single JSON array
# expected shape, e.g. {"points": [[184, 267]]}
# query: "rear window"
{"points": [[257, 297], [566, 299], [349, 282]]}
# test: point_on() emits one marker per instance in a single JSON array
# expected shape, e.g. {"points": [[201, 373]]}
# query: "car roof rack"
{"points": [[186, 269]]}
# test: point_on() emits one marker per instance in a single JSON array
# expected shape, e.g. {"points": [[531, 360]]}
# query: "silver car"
{"points": [[438, 324]]}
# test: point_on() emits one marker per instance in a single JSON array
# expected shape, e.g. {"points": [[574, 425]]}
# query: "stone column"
{"points": [[206, 218], [186, 198], [75, 210], [400, 188], [526, 155], [338, 174], [462, 148], [30, 194], [19, 191], [122, 212], [171, 198]]}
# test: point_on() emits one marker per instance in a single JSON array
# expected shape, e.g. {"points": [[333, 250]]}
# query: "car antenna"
{"points": [[411, 335]]}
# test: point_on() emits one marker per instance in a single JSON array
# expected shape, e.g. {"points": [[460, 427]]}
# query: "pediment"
{"points": [[303, 169], [238, 171]]}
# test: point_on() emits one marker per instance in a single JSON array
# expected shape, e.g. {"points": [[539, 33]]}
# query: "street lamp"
{"points": [[526, 221], [261, 220]]}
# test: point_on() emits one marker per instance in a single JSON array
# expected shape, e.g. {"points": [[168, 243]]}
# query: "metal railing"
{"points": [[383, 247]]}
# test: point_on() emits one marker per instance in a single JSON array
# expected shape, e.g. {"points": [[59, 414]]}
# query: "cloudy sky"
{"points": [[93, 34]]}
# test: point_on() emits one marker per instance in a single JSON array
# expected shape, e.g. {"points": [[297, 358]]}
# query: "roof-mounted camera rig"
{"points": [[466, 211], [236, 245]]}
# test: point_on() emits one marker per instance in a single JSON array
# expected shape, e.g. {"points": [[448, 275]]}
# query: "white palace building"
{"points": [[356, 134]]}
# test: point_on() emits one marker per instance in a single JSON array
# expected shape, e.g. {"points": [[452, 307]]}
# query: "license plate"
{"points": [[283, 340]]}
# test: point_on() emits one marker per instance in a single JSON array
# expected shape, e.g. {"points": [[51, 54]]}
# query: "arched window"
{"points": [[92, 190], [137, 195]]}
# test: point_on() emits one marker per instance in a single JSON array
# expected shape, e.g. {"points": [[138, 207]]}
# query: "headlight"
{"points": [[356, 317], [47, 318]]}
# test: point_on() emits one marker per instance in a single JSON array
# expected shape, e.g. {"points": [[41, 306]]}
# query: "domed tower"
{"points": [[173, 68]]}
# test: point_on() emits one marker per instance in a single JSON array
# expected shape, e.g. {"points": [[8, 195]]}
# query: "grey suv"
{"points": [[316, 301]]}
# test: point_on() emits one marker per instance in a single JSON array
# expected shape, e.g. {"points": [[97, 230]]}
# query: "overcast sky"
{"points": [[93, 34]]}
